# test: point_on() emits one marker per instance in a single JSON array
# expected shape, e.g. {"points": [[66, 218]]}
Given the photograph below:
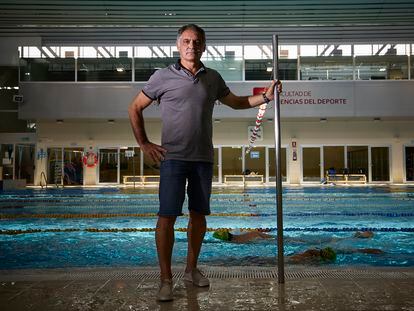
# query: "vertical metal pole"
{"points": [[280, 257], [133, 165]]}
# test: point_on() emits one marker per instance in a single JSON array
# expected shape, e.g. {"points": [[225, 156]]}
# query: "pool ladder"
{"points": [[42, 174]]}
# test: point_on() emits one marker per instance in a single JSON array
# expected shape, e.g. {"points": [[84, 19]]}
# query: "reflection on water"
{"points": [[313, 218]]}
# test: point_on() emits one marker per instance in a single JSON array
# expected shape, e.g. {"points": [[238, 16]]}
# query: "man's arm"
{"points": [[135, 109], [245, 102]]}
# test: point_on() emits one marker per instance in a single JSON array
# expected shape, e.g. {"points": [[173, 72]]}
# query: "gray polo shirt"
{"points": [[186, 104]]}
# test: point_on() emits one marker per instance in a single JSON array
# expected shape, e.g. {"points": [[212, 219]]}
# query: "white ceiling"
{"points": [[231, 21]]}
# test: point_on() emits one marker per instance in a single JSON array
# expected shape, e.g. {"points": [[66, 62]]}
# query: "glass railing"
{"points": [[230, 69], [47, 69], [145, 67], [261, 69], [326, 68], [104, 69], [388, 67]]}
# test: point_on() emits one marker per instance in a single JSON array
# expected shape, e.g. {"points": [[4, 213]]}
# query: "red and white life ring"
{"points": [[90, 159]]}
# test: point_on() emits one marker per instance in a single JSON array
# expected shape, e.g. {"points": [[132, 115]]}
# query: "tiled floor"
{"points": [[232, 288]]}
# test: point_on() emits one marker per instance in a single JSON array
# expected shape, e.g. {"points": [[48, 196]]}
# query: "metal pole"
{"points": [[133, 165], [280, 257]]}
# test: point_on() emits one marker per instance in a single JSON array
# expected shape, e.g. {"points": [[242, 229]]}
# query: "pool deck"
{"points": [[232, 288]]}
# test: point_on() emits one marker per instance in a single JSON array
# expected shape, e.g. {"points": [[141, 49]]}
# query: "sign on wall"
{"points": [[254, 154], [317, 99]]}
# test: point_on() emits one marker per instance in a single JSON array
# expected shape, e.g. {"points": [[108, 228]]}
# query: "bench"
{"points": [[141, 179], [251, 178], [346, 178]]}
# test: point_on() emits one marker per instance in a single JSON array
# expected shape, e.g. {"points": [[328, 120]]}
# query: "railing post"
{"points": [[280, 252]]}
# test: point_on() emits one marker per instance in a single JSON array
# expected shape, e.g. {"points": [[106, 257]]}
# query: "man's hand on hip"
{"points": [[156, 152]]}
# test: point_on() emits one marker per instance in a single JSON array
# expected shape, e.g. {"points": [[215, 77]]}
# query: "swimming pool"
{"points": [[70, 227]]}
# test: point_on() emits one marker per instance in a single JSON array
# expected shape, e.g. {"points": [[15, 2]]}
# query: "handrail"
{"points": [[45, 178]]}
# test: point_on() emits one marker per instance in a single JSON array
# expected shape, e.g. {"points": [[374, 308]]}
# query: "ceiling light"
{"points": [[111, 121], [59, 121], [323, 120]]}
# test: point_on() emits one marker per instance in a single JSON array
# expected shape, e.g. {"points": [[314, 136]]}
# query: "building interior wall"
{"points": [[93, 135]]}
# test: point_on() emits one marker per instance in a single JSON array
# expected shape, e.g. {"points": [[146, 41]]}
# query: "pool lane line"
{"points": [[124, 230], [221, 200], [144, 215]]}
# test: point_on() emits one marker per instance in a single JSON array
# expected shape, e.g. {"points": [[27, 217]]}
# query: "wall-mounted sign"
{"points": [[129, 153], [294, 155], [254, 154]]}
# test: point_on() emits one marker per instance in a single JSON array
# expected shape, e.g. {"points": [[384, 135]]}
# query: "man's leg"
{"points": [[199, 190], [195, 234], [164, 237]]}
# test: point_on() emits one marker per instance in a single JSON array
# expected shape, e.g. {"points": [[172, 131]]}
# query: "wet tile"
{"points": [[223, 294]]}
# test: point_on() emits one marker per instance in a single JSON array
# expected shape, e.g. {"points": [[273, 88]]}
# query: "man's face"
{"points": [[190, 45]]}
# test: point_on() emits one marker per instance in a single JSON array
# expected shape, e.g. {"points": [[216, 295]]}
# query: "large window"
{"points": [[145, 67], [232, 161], [130, 162], [261, 69], [255, 161], [108, 165], [55, 166], [234, 62], [409, 163], [326, 68], [25, 162], [380, 163], [411, 62], [104, 69], [326, 62], [7, 159], [272, 164], [357, 159], [151, 168], [216, 165], [47, 69], [381, 61], [228, 60], [333, 159], [72, 166], [311, 157]]}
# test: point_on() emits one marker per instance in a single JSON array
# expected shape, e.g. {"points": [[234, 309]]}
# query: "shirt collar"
{"points": [[178, 66]]}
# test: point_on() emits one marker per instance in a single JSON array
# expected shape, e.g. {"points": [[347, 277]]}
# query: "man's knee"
{"points": [[197, 218], [166, 222]]}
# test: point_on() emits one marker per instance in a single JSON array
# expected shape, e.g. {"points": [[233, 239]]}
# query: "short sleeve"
{"points": [[152, 88], [222, 88]]}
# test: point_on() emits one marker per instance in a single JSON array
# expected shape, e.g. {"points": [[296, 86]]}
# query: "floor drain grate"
{"points": [[151, 273]]}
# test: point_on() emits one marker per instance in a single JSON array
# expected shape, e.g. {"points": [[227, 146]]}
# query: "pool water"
{"points": [[71, 227]]}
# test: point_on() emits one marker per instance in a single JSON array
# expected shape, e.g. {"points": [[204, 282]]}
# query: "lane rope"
{"points": [[149, 215], [290, 229]]}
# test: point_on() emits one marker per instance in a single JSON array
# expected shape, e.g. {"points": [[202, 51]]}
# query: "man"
{"points": [[186, 92]]}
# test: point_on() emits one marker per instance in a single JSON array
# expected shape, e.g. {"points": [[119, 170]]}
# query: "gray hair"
{"points": [[194, 28]]}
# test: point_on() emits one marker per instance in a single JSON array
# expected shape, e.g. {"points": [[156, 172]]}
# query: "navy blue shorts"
{"points": [[173, 177]]}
